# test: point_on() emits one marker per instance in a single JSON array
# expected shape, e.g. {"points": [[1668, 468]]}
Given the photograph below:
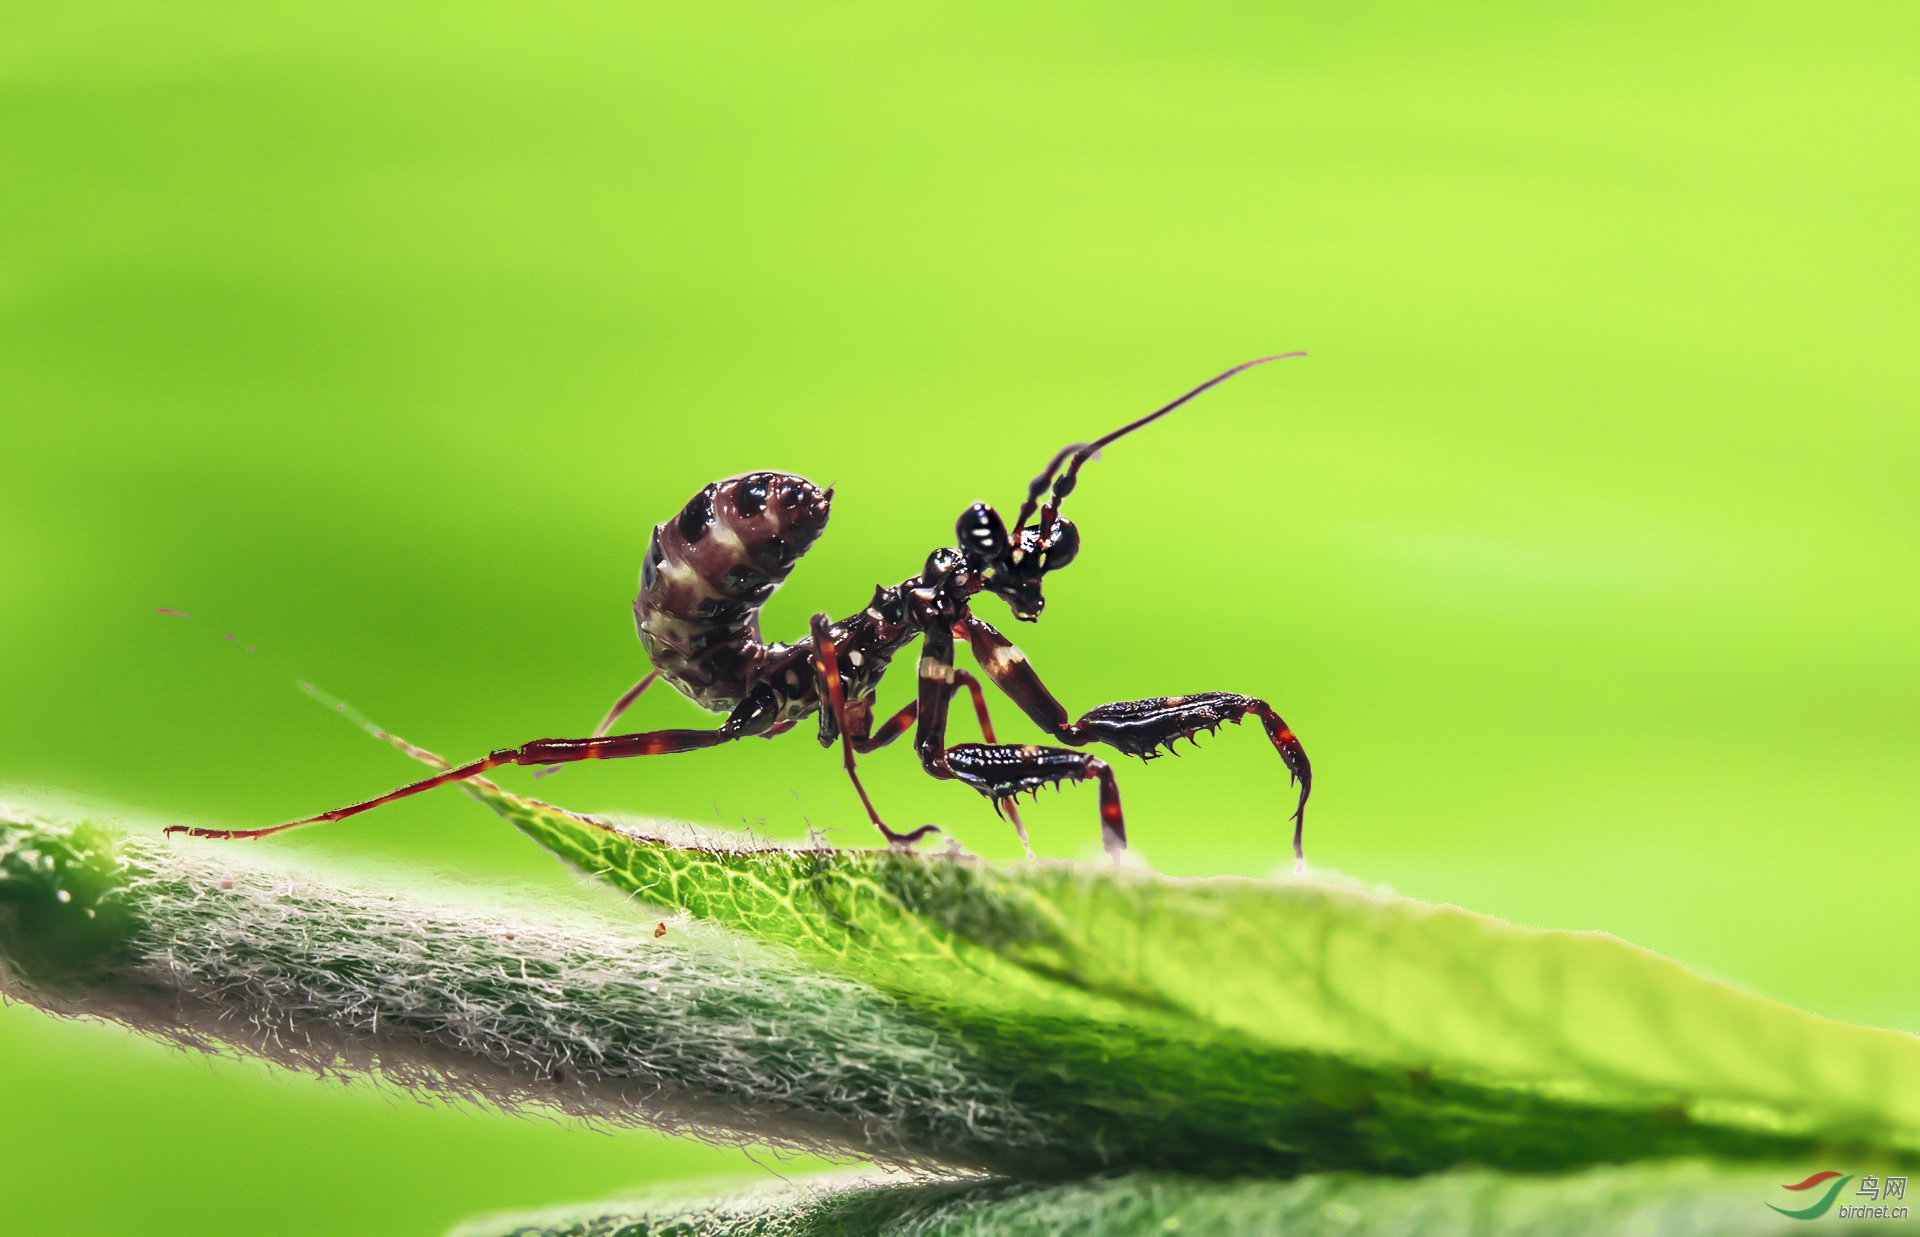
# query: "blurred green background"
{"points": [[1580, 552]]}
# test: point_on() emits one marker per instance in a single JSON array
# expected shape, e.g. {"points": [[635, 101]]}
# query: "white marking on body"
{"points": [[723, 534], [668, 635], [673, 574], [999, 659], [938, 670], [674, 569], [854, 658]]}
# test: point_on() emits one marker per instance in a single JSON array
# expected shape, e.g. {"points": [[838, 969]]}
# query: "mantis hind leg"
{"points": [[833, 696], [613, 715], [752, 717]]}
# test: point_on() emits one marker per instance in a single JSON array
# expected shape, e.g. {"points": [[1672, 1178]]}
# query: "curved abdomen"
{"points": [[710, 569]]}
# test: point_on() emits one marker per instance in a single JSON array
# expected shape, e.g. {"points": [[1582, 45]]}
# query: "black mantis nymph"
{"points": [[710, 569]]}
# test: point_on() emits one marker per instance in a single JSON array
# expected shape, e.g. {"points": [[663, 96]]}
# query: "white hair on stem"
{"points": [[696, 1031]]}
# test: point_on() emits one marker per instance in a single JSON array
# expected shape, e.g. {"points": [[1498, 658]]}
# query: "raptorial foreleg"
{"points": [[1142, 727], [1136, 727], [938, 681], [1002, 770]]}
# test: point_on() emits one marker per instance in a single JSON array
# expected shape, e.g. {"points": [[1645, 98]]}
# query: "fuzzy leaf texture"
{"points": [[1230, 1026], [1042, 1022]]}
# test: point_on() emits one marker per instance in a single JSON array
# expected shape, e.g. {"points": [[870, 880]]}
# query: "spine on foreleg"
{"points": [[1142, 727], [709, 570]]}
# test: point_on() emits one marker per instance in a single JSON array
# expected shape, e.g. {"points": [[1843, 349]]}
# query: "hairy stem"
{"points": [[1649, 1200], [694, 1031]]}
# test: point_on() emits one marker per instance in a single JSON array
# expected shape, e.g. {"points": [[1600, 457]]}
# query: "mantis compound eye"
{"points": [[1062, 544], [982, 532]]}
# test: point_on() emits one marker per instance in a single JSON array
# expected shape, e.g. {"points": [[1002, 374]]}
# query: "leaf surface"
{"points": [[1229, 1026]]}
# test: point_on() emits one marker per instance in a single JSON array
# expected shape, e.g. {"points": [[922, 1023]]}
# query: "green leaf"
{"points": [[1663, 1200], [1233, 1026]]}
